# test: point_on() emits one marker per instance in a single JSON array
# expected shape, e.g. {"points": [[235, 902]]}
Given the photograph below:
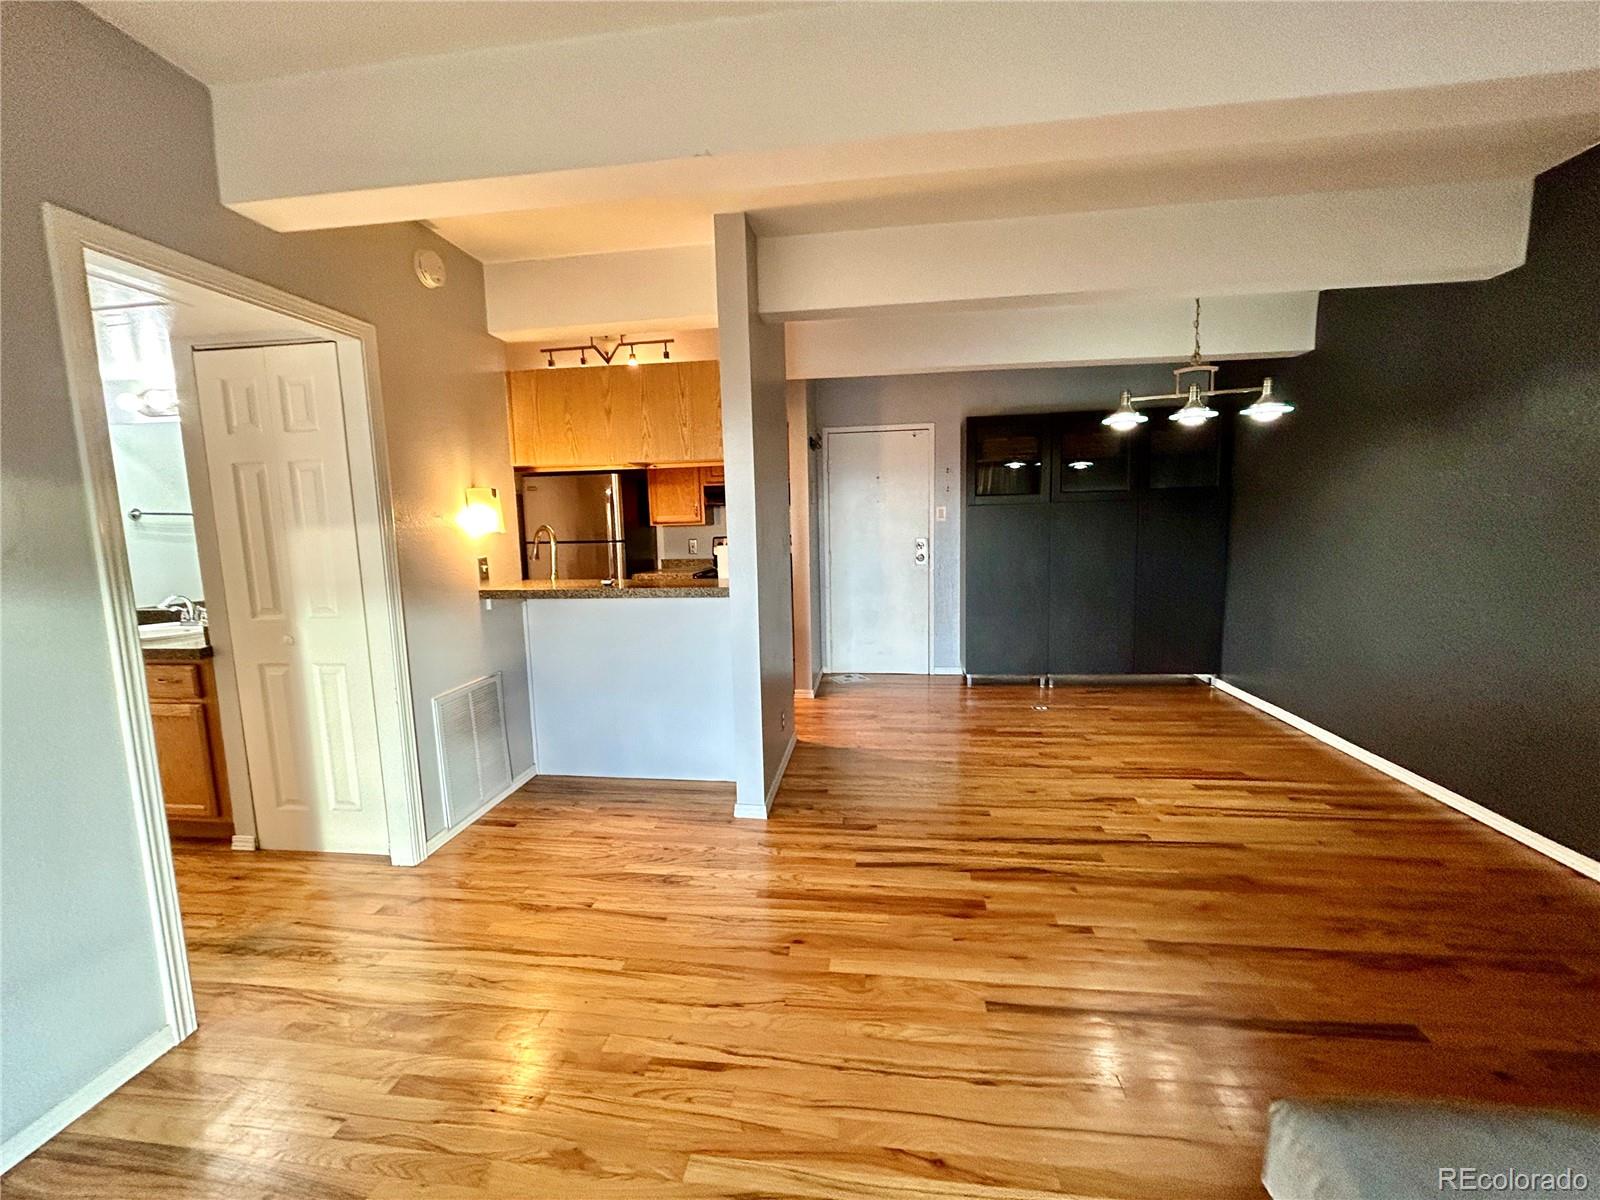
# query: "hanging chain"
{"points": [[1196, 357]]}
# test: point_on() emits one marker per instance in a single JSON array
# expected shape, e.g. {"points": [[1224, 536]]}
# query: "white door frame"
{"points": [[67, 236], [824, 551]]}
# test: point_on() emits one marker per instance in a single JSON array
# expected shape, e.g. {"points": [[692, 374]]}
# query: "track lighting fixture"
{"points": [[1195, 383], [607, 350]]}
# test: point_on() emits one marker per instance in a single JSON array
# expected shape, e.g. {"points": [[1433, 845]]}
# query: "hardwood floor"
{"points": [[981, 950]]}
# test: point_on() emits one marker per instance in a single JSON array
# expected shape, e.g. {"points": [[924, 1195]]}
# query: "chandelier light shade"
{"points": [[1195, 384], [1125, 416], [1268, 408], [1195, 411]]}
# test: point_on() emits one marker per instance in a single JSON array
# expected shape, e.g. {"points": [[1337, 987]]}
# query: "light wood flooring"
{"points": [[979, 951]]}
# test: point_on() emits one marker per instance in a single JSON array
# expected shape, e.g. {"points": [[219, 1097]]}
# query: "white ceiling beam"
{"points": [[1388, 236], [1157, 330], [602, 294], [832, 92]]}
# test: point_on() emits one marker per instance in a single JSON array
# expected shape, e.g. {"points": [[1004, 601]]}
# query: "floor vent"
{"points": [[474, 757]]}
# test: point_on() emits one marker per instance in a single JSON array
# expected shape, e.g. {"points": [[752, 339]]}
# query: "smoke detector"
{"points": [[429, 267]]}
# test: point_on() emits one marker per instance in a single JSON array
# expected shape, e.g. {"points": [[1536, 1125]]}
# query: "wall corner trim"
{"points": [[1551, 849], [471, 819], [755, 814], [30, 1137]]}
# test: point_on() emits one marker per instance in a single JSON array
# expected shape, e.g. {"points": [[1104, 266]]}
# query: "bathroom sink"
{"points": [[170, 631]]}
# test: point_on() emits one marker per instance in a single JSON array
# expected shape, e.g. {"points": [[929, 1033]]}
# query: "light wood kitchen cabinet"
{"points": [[593, 417], [677, 496], [194, 781]]}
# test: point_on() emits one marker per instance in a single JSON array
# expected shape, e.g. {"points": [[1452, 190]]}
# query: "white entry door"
{"points": [[879, 487], [272, 420]]}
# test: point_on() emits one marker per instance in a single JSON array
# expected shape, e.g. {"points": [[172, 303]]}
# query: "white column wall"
{"points": [[755, 455]]}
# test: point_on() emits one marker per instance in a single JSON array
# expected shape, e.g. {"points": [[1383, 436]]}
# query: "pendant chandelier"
{"points": [[1195, 383]]}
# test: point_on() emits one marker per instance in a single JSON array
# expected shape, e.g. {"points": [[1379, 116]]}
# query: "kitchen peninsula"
{"points": [[639, 690], [618, 468], [599, 589]]}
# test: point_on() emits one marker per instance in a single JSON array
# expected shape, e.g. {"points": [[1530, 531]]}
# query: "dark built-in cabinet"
{"points": [[1092, 552]]}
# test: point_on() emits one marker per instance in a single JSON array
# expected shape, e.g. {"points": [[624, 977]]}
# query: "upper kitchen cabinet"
{"points": [[677, 495], [573, 418]]}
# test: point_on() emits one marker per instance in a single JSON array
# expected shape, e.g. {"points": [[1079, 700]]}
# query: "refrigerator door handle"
{"points": [[617, 553]]}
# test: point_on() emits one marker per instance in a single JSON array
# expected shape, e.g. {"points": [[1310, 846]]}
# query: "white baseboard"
{"points": [[441, 838], [244, 841], [28, 1139], [760, 814], [1564, 855], [948, 671]]}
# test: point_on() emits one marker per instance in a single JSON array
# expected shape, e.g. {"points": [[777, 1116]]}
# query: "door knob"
{"points": [[287, 640], [920, 551]]}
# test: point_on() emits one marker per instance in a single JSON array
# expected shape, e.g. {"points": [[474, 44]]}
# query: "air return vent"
{"points": [[474, 758]]}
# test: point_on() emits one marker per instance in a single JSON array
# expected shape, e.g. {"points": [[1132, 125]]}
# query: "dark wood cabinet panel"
{"points": [[1008, 460], [1182, 576], [1007, 583], [1090, 458], [1092, 575], [1122, 571], [1182, 457]]}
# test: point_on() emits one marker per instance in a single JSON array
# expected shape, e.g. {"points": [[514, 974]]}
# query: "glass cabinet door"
{"points": [[1091, 457], [1181, 457], [1008, 460]]}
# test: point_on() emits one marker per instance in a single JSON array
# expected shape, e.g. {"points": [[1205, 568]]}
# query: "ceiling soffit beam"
{"points": [[1430, 234], [410, 133], [1143, 331], [632, 291]]}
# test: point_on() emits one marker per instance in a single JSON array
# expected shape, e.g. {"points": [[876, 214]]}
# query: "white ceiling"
{"points": [[1216, 172], [223, 43]]}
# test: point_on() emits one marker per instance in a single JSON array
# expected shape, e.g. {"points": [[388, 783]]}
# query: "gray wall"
{"points": [[755, 450], [946, 401], [1415, 555], [97, 124]]}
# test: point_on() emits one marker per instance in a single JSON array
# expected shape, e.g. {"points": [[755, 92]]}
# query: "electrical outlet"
{"points": [[694, 547]]}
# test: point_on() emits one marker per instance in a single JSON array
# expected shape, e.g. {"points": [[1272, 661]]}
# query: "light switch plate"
{"points": [[483, 570], [938, 513]]}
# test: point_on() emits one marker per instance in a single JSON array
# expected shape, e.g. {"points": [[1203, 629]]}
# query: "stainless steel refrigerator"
{"points": [[601, 522]]}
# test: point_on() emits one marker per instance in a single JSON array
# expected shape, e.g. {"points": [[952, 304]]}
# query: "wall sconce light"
{"points": [[481, 514]]}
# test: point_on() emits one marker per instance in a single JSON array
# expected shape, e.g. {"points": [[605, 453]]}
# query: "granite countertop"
{"points": [[657, 585], [189, 648]]}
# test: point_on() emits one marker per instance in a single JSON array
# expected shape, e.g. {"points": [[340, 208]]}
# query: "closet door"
{"points": [[1183, 565], [1007, 574], [1092, 586]]}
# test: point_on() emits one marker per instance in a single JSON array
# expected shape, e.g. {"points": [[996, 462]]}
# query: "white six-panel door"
{"points": [[273, 424], [878, 489]]}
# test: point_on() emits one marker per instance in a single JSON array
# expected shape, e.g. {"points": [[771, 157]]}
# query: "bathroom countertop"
{"points": [[190, 648]]}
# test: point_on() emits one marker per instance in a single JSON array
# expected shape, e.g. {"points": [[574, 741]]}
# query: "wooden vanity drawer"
{"points": [[173, 681]]}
